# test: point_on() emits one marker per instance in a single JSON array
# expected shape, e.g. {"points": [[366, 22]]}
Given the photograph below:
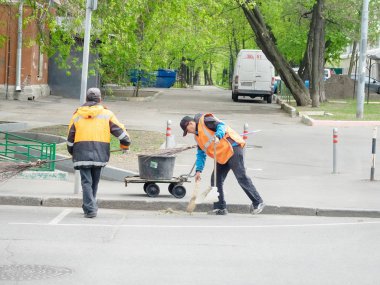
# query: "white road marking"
{"points": [[254, 169], [201, 226], [60, 217]]}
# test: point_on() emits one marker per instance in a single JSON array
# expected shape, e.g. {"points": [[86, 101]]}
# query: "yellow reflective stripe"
{"points": [[123, 135]]}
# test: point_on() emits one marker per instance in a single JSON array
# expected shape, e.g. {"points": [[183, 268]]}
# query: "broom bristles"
{"points": [[191, 206], [11, 169], [170, 151]]}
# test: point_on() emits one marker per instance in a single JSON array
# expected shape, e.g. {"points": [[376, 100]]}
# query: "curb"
{"points": [[305, 119], [330, 123], [136, 99], [286, 107], [181, 206]]}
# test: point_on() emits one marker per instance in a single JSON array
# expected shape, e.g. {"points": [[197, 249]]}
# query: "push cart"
{"points": [[151, 188]]}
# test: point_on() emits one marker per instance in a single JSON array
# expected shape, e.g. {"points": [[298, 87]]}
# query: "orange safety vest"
{"points": [[224, 150]]}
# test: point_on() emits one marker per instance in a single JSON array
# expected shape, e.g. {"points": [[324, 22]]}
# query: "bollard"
{"points": [[77, 181], [169, 137], [245, 132], [373, 153], [245, 137], [335, 142]]}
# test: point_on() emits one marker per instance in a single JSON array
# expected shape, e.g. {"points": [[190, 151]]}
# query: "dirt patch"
{"points": [[339, 87]]}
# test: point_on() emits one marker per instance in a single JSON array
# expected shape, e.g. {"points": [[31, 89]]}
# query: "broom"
{"points": [[10, 169], [192, 204]]}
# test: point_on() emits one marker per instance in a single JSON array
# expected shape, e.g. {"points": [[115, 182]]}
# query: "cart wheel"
{"points": [[179, 191], [146, 185], [171, 186], [152, 190]]}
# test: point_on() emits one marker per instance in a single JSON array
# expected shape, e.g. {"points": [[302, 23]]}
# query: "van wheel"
{"points": [[235, 97], [269, 99]]}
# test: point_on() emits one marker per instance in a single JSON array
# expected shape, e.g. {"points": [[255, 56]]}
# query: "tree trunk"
{"points": [[236, 44], [205, 73], [316, 80], [305, 67], [231, 66], [196, 76], [183, 72], [265, 40], [353, 57], [211, 82]]}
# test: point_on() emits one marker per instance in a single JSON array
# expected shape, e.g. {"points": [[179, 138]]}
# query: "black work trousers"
{"points": [[90, 177], [236, 164]]}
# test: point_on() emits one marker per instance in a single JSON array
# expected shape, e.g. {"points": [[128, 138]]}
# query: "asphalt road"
{"points": [[58, 246]]}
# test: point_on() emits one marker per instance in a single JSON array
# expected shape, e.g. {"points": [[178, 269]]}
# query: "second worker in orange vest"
{"points": [[229, 156]]}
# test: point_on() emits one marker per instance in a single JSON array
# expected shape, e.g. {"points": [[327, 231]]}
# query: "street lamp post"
{"points": [[91, 5], [363, 51]]}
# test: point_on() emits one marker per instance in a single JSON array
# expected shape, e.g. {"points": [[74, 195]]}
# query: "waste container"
{"points": [[156, 167], [146, 79], [165, 78]]}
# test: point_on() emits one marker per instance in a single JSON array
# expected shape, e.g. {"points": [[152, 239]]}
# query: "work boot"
{"points": [[258, 209], [218, 212], [90, 215]]}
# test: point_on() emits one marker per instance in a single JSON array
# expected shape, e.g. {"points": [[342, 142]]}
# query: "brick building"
{"points": [[23, 67]]}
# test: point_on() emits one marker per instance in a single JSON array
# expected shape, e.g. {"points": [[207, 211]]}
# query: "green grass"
{"points": [[344, 110]]}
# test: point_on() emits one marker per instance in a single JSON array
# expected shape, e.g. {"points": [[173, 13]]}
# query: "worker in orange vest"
{"points": [[207, 130]]}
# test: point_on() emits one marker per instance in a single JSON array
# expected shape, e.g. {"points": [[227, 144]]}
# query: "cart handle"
{"points": [[189, 174]]}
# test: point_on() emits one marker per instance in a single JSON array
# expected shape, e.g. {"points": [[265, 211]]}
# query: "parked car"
{"points": [[253, 76], [374, 84]]}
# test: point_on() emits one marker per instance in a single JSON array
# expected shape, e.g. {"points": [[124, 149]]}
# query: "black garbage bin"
{"points": [[156, 167]]}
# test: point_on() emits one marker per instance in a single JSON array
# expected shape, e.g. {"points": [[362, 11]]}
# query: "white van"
{"points": [[253, 75]]}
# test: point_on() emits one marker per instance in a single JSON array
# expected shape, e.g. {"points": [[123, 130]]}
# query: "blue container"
{"points": [[165, 78], [146, 79]]}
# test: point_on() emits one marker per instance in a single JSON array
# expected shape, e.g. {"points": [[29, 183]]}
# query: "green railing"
{"points": [[283, 92], [18, 148]]}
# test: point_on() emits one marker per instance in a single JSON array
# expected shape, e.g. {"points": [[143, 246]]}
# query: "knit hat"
{"points": [[94, 95]]}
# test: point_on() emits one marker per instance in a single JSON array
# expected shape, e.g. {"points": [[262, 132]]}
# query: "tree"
{"points": [[317, 29], [266, 41]]}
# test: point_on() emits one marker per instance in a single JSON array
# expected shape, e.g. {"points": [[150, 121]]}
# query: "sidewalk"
{"points": [[288, 162], [283, 196]]}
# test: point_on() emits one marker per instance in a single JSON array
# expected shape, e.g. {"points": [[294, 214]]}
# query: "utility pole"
{"points": [[90, 6], [362, 63]]}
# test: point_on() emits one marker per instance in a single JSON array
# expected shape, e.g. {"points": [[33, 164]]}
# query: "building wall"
{"points": [[67, 83], [374, 48], [34, 66]]}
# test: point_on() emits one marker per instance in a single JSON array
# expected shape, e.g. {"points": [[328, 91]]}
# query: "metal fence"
{"points": [[18, 148]]}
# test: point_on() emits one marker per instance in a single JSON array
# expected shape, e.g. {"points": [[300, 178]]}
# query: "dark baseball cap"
{"points": [[184, 123]]}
